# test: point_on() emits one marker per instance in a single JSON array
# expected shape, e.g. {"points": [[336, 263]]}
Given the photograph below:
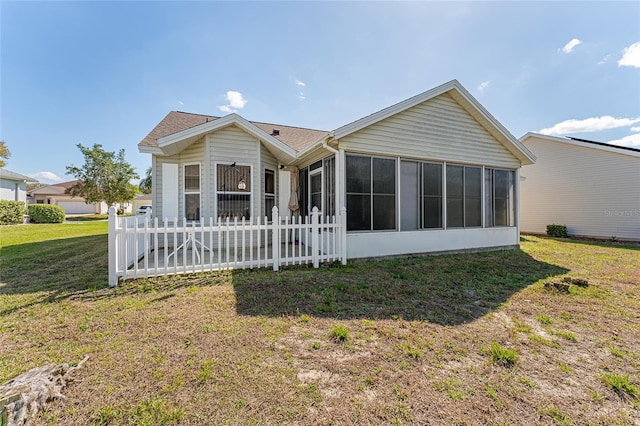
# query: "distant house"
{"points": [[592, 187], [55, 194], [435, 172], [141, 201], [13, 186]]}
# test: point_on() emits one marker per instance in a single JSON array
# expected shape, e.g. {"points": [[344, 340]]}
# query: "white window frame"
{"points": [[184, 189], [266, 194], [216, 192]]}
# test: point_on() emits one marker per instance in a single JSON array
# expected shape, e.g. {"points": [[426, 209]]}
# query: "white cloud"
{"points": [[180, 103], [593, 124], [604, 60], [568, 48], [483, 85], [631, 141], [46, 177], [635, 129], [630, 56], [301, 96], [300, 83], [236, 102]]}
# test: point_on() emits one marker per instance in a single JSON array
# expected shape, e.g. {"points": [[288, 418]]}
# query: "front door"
{"points": [[315, 192]]}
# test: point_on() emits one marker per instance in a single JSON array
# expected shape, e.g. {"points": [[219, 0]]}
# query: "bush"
{"points": [[46, 213], [559, 231], [12, 212]]}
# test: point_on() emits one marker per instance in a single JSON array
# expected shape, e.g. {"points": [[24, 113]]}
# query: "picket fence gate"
{"points": [[140, 246]]}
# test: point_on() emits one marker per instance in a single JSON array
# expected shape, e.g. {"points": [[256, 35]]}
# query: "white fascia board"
{"points": [[352, 127], [150, 150], [220, 123], [564, 140]]}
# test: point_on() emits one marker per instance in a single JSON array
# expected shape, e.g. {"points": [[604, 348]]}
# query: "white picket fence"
{"points": [[143, 247]]}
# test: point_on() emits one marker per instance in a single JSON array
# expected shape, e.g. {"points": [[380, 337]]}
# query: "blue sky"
{"points": [[108, 72]]}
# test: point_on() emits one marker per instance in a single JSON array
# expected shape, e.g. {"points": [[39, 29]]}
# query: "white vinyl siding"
{"points": [[593, 191], [233, 145], [439, 130]]}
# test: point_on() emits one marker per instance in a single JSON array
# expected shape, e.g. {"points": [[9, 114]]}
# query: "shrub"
{"points": [[46, 213], [12, 212], [559, 231]]}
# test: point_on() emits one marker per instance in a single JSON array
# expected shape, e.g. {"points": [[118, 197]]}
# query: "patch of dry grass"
{"points": [[258, 347]]}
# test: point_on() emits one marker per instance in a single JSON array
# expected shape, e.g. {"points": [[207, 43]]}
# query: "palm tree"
{"points": [[146, 182]]}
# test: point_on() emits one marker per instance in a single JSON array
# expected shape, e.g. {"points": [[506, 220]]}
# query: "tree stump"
{"points": [[23, 396]]}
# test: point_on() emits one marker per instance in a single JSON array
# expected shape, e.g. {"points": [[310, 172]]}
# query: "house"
{"points": [[140, 202], [55, 194], [13, 186], [591, 187], [433, 173]]}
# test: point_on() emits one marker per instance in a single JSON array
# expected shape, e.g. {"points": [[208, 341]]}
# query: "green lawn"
{"points": [[452, 339]]}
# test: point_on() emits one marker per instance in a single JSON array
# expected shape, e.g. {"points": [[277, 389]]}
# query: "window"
{"points": [[431, 195], [421, 195], [464, 196], [233, 186], [303, 192], [371, 193], [499, 197], [269, 191], [192, 191], [409, 195]]}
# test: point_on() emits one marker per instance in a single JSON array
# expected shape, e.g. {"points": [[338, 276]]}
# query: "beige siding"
{"points": [[229, 145], [592, 191], [438, 129], [192, 154]]}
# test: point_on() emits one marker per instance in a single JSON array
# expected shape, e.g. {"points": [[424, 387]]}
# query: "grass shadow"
{"points": [[448, 289], [53, 270]]}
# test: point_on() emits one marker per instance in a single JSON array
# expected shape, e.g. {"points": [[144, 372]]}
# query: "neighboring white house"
{"points": [[13, 186], [593, 188], [140, 202], [55, 194], [433, 173]]}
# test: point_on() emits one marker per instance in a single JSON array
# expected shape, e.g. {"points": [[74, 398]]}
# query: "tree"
{"points": [[4, 153], [146, 182], [105, 176]]}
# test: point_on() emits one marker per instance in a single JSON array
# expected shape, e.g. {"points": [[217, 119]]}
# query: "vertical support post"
{"points": [[343, 235], [275, 240], [315, 233], [113, 257]]}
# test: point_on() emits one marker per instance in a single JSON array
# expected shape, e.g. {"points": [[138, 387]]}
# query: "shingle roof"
{"points": [[9, 175], [176, 121], [54, 189]]}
